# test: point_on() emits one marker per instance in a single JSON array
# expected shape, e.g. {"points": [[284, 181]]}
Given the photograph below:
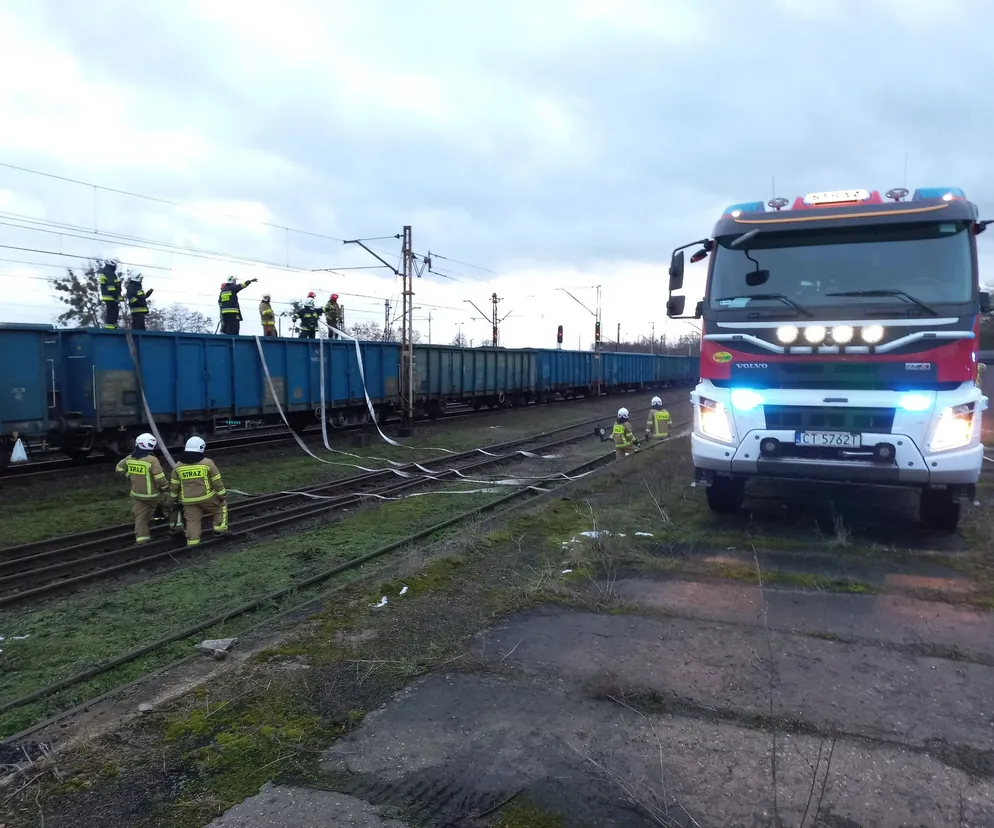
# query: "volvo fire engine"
{"points": [[839, 344]]}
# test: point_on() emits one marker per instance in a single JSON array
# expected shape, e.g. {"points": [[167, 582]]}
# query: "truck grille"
{"points": [[824, 418]]}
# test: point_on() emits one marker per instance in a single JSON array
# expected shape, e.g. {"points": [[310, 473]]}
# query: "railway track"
{"points": [[42, 568], [266, 436], [314, 586]]}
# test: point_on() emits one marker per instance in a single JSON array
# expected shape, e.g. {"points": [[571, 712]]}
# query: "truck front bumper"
{"points": [[910, 465]]}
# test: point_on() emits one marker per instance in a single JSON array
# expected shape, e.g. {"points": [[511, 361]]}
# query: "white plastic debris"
{"points": [[213, 644], [643, 534], [567, 571], [18, 637], [18, 455], [597, 533], [383, 603], [404, 590]]}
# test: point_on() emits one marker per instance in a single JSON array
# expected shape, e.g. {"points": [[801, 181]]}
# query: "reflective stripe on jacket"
{"points": [[658, 422], [267, 314], [196, 482], [110, 287], [138, 299], [227, 300], [623, 435], [148, 480]]}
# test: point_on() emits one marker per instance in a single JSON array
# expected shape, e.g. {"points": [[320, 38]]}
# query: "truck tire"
{"points": [[939, 510], [725, 495]]}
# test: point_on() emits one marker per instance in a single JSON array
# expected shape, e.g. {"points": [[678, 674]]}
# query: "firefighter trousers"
{"points": [[230, 324], [194, 513], [138, 321], [111, 310], [619, 453], [142, 508], [269, 330]]}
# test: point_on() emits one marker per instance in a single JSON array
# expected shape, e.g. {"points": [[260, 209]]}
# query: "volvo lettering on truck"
{"points": [[839, 344]]}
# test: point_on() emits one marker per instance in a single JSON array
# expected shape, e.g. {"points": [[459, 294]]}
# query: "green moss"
{"points": [[524, 814], [802, 580]]}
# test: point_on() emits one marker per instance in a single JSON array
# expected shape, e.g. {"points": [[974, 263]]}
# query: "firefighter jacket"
{"points": [[267, 314], [195, 480], [110, 284], [658, 423], [623, 435], [333, 314], [227, 299], [308, 316], [138, 297], [144, 470]]}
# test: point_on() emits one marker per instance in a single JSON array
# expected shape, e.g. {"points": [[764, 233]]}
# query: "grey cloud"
{"points": [[675, 130]]}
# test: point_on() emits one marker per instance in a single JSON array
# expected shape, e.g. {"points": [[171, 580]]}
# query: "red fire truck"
{"points": [[839, 344]]}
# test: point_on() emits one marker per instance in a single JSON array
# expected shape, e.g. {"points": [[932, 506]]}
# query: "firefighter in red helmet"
{"points": [[334, 316]]}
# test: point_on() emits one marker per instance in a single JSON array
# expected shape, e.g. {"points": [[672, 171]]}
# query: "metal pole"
{"points": [[617, 339], [652, 344], [386, 317], [597, 348], [495, 300], [407, 346]]}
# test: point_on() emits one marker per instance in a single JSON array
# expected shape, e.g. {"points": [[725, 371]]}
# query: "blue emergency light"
{"points": [[945, 193], [745, 207]]}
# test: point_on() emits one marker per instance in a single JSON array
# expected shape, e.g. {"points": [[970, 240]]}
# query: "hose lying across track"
{"points": [[124, 658], [44, 567]]}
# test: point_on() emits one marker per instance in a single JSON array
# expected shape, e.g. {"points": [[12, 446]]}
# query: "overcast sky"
{"points": [[535, 144]]}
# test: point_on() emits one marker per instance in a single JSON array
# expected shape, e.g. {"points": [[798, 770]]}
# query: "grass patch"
{"points": [[524, 814], [736, 571], [79, 632]]}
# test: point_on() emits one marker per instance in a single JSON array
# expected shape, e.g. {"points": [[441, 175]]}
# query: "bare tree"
{"points": [[178, 317]]}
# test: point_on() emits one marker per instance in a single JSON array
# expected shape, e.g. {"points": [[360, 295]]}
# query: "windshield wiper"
{"points": [[889, 292], [779, 296]]}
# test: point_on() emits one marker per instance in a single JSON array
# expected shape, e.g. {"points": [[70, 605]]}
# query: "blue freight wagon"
{"points": [[476, 376], [78, 388], [28, 374], [193, 380]]}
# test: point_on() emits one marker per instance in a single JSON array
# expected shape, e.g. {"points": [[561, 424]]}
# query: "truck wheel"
{"points": [[939, 510], [725, 495]]}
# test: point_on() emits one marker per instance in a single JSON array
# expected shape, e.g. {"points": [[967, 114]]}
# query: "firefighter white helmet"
{"points": [[656, 401], [146, 441], [622, 413], [196, 445]]}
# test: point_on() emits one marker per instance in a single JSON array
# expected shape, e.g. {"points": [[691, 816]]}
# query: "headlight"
{"points": [[786, 334], [954, 429], [745, 399], [714, 420], [841, 334], [814, 333], [872, 334]]}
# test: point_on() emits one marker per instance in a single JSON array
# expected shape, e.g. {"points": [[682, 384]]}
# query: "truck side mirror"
{"points": [[676, 271], [699, 310], [985, 302], [675, 305]]}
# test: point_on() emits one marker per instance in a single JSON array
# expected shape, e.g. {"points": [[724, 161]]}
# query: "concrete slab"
{"points": [[601, 764], [885, 619], [276, 806], [864, 690]]}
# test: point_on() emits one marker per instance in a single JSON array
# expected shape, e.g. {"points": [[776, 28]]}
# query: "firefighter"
{"points": [[658, 423], [624, 438], [137, 302], [308, 316], [268, 316], [197, 486], [333, 315], [148, 484], [227, 302], [110, 293]]}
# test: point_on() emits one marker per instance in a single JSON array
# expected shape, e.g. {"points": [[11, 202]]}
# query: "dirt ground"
{"points": [[824, 662]]}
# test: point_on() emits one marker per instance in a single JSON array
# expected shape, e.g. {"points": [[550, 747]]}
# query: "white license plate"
{"points": [[827, 439]]}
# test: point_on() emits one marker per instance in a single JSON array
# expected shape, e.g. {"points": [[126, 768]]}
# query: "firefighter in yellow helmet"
{"points": [[658, 423], [624, 438], [196, 484], [268, 316], [148, 484]]}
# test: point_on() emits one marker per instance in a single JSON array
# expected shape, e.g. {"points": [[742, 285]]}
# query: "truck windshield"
{"points": [[929, 261]]}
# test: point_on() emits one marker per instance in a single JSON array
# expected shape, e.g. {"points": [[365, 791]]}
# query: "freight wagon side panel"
{"points": [[27, 378]]}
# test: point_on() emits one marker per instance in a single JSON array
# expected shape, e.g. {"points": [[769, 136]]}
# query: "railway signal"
{"points": [[559, 337]]}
